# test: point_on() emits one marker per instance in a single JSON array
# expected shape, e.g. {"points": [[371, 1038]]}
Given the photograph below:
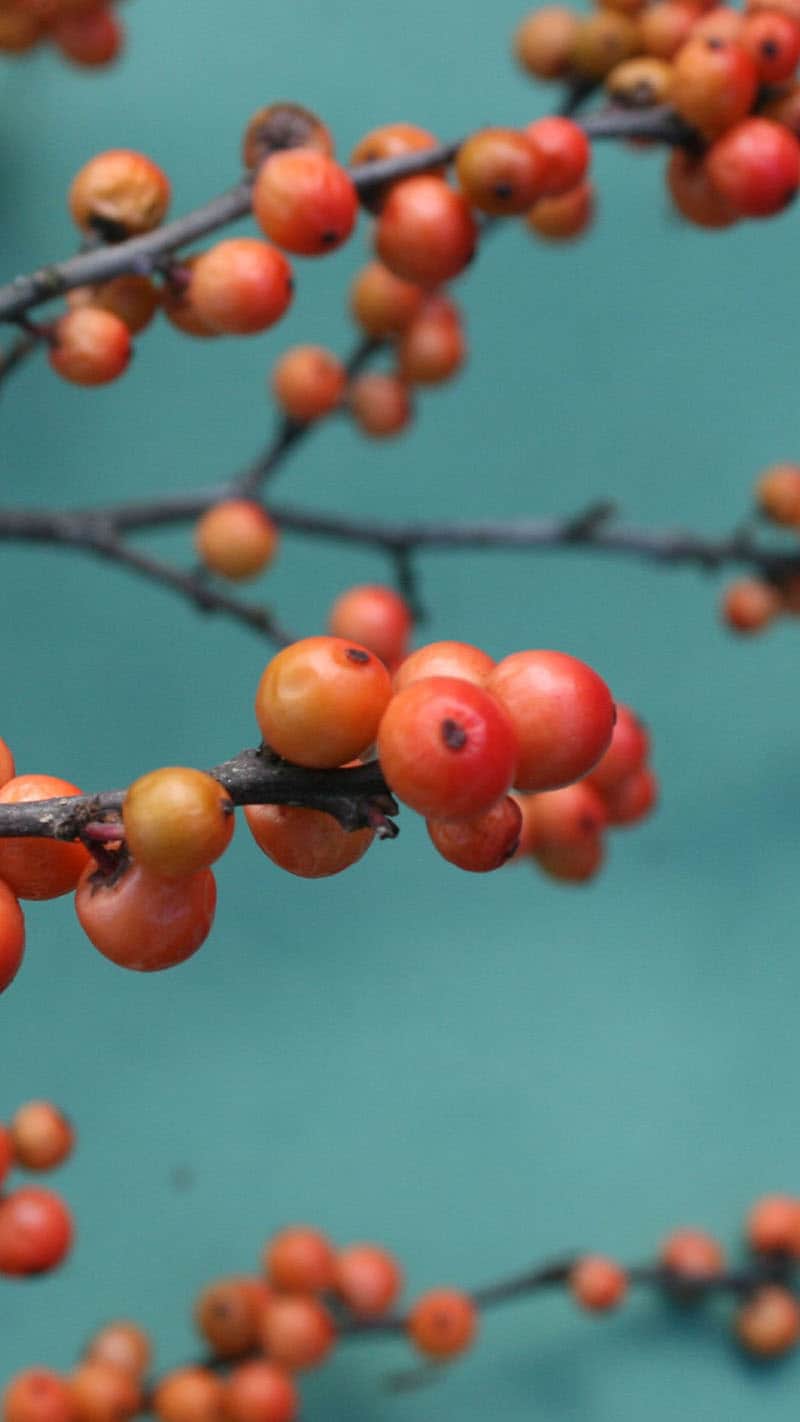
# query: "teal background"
{"points": [[479, 1072]]}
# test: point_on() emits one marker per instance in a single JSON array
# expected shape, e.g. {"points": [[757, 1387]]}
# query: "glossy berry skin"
{"points": [[102, 1392], [300, 1260], [633, 799], [123, 1344], [297, 1331], [693, 193], [380, 404], [458, 659], [443, 1323], [499, 172], [713, 84], [39, 868], [665, 27], [598, 1284], [236, 539], [392, 140], [90, 346], [226, 1315], [573, 815], [756, 167], [482, 843], [177, 821], [693, 1255], [143, 921], [425, 232], [778, 494], [121, 192], [319, 701], [305, 201], [544, 40], [368, 1279], [774, 42], [376, 617], [576, 862], [773, 1226], [447, 748], [191, 1394], [565, 218], [42, 1136], [308, 382], [768, 1324], [37, 1395], [241, 286], [749, 605], [177, 299], [562, 713], [283, 125], [134, 299], [308, 843], [432, 347], [12, 938], [603, 40], [564, 154], [35, 1231], [6, 1152], [627, 753], [382, 303], [91, 40], [260, 1391]]}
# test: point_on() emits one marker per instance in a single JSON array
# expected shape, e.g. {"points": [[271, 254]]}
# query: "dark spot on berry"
{"points": [[503, 191], [329, 238], [512, 849], [453, 735], [770, 49], [714, 42], [354, 654]]}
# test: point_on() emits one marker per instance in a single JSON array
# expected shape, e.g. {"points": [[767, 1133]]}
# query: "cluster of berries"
{"points": [[35, 1225], [87, 32], [729, 74], [752, 604]]}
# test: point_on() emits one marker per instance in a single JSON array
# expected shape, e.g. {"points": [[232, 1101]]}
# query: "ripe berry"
{"points": [[447, 748], [376, 617], [260, 1392], [692, 1255], [241, 286], [308, 382], [368, 1279], [300, 1260], [35, 1231], [124, 1344], [102, 1392], [562, 713], [119, 194], [380, 404], [768, 1324], [603, 40], [544, 40], [640, 83], [773, 40], [7, 768], [562, 219], [458, 659], [499, 171], [598, 1284], [714, 84], [756, 167], [39, 868], [383, 304], [443, 1323], [305, 201], [719, 23], [43, 1137], [693, 193], [177, 299], [37, 1395], [134, 299], [189, 1395], [773, 1225], [144, 922], [749, 605], [90, 40], [90, 346], [564, 151], [226, 1314], [570, 816], [574, 863], [392, 140], [18, 31], [320, 700], [309, 843], [6, 1152], [628, 751], [482, 842], [236, 539], [283, 126], [12, 937], [425, 231], [177, 820], [778, 494], [297, 1331], [632, 799], [665, 27], [432, 348]]}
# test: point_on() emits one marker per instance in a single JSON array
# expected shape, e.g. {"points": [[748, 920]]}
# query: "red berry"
{"points": [[42, 1136], [714, 84], [241, 286], [499, 171], [544, 40], [39, 868], [443, 1323], [300, 1260], [768, 1324], [482, 842], [628, 751], [93, 39], [755, 166], [564, 153], [778, 494], [305, 201], [561, 711], [773, 1225], [562, 219], [425, 232], [309, 843], [319, 701], [665, 27], [134, 299], [189, 1395], [236, 539], [693, 193], [177, 820], [571, 816], [383, 304], [368, 1279], [90, 346], [749, 605], [227, 1314], [458, 659], [260, 1391], [692, 1254], [773, 39], [12, 938], [432, 349], [598, 1284], [144, 922], [376, 617], [37, 1395], [633, 799], [380, 404], [102, 1392], [573, 863], [35, 1231], [308, 382], [124, 1344], [297, 1331]]}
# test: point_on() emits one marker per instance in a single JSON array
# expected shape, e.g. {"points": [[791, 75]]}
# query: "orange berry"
{"points": [[19, 32], [570, 816], [376, 617], [241, 286], [297, 1331], [603, 40], [134, 299], [7, 768], [544, 40], [598, 1284], [124, 1344], [308, 382], [320, 700], [177, 299], [35, 1231], [383, 304], [91, 40], [43, 1137], [778, 494], [102, 1392], [305, 201], [640, 83], [692, 1255], [563, 151], [12, 938], [627, 752], [260, 1392], [425, 232], [90, 346], [443, 1323], [714, 84], [308, 843], [236, 539], [191, 1394], [177, 820], [37, 1395], [562, 713], [665, 27], [482, 842], [749, 605], [574, 863], [562, 219], [392, 140], [119, 193], [721, 22], [693, 192], [368, 1279], [632, 799], [458, 659], [773, 1225], [144, 922], [499, 171], [768, 1324], [39, 868], [432, 347], [226, 1314], [300, 1260], [380, 404], [283, 126]]}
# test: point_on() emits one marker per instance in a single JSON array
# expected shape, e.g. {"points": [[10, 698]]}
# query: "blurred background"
{"points": [[476, 1071]]}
